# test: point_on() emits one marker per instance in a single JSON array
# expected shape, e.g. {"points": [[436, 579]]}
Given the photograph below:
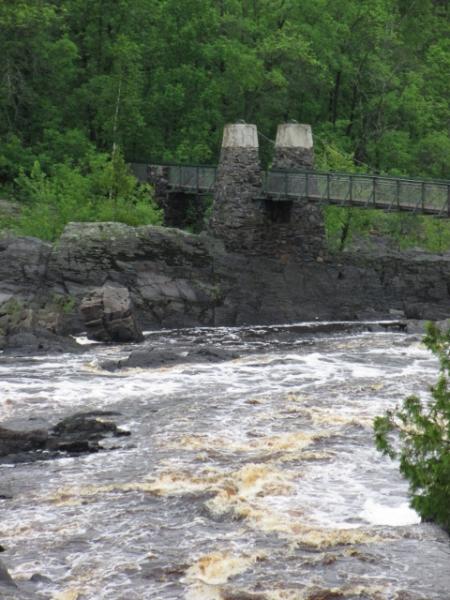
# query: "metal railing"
{"points": [[370, 191], [139, 170], [192, 178], [188, 178]]}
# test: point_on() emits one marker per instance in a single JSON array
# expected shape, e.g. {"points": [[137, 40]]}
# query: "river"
{"points": [[255, 478]]}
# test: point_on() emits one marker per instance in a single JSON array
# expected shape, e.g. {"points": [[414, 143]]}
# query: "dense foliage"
{"points": [[159, 78], [423, 442], [353, 227], [102, 189]]}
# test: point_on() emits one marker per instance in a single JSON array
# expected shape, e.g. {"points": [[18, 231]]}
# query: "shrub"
{"points": [[99, 190], [13, 156], [403, 230], [423, 440]]}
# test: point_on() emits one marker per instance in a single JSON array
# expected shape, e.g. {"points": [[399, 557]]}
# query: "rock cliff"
{"points": [[177, 279]]}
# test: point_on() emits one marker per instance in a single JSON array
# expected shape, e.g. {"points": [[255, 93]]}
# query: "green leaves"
{"points": [[418, 433], [161, 77], [100, 189]]}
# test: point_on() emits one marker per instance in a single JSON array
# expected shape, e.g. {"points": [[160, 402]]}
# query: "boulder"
{"points": [[108, 317], [73, 435], [82, 432]]}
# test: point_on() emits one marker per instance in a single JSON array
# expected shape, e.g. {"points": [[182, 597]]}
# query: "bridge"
{"points": [[343, 189]]}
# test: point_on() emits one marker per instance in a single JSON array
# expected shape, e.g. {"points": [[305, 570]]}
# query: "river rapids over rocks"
{"points": [[255, 478]]}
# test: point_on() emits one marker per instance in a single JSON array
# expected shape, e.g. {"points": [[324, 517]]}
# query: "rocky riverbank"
{"points": [[176, 279]]}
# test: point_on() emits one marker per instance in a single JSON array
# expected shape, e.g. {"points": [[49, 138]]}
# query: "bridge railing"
{"points": [[371, 191], [192, 178], [389, 193], [139, 170]]}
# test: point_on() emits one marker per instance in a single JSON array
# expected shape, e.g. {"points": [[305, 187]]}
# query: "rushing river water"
{"points": [[255, 478]]}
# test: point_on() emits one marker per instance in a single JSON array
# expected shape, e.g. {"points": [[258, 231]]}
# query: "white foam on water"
{"points": [[376, 513], [205, 425], [83, 340]]}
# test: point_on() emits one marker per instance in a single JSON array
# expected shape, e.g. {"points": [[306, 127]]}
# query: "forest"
{"points": [[88, 85]]}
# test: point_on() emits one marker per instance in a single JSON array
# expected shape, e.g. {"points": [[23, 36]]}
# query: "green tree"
{"points": [[102, 189], [423, 441], [159, 78]]}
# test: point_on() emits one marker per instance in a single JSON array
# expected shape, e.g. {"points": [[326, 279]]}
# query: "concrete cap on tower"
{"points": [[294, 135], [240, 135]]}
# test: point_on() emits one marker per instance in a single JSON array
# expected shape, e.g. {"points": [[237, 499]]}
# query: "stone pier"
{"points": [[294, 227], [248, 220], [237, 218], [294, 147]]}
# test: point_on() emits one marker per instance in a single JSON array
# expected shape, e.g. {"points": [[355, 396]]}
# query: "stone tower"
{"points": [[237, 217], [246, 217], [295, 227], [294, 147]]}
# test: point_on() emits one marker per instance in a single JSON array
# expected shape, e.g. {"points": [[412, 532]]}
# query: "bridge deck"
{"points": [[370, 191]]}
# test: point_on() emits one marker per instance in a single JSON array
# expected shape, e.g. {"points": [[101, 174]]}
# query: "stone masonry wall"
{"points": [[293, 158], [300, 231], [252, 224], [237, 219]]}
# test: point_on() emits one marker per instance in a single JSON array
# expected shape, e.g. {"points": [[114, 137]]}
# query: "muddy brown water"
{"points": [[255, 478]]}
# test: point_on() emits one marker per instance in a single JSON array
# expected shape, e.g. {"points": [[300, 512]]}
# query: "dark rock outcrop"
{"points": [[169, 272], [25, 330], [76, 434], [176, 279], [28, 342], [13, 442], [152, 358], [108, 316], [23, 266], [34, 313]]}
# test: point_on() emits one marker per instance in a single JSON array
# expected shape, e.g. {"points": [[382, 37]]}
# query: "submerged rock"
{"points": [[13, 442], [5, 577], [76, 434], [5, 494], [107, 314], [326, 595], [243, 595], [153, 358], [38, 578]]}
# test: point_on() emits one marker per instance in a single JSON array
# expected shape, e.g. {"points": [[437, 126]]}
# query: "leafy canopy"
{"points": [[159, 78]]}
